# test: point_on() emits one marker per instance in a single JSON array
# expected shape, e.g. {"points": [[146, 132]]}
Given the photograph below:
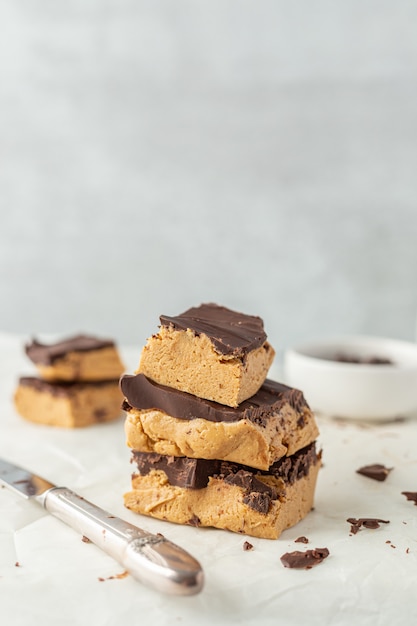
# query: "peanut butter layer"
{"points": [[68, 405], [78, 358], [257, 504], [210, 352], [274, 423]]}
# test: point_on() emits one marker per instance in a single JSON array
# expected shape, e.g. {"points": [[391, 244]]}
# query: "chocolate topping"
{"points": [[142, 393], [375, 471], [61, 389], [365, 522], [46, 354], [229, 331], [304, 560], [195, 473]]}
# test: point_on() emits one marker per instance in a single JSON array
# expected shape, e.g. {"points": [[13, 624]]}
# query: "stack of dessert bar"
{"points": [[214, 442], [78, 382]]}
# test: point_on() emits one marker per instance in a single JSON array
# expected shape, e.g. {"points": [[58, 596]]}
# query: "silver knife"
{"points": [[151, 559]]}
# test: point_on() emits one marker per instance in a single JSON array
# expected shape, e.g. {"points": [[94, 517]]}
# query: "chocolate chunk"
{"points": [[365, 522], [142, 393], [247, 546], [304, 560], [46, 354], [230, 332], [301, 539], [195, 473], [180, 470], [194, 521], [259, 502], [410, 495], [375, 471]]}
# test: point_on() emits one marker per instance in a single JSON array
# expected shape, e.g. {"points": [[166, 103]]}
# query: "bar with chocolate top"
{"points": [[211, 352], [67, 404], [76, 358], [225, 495], [275, 422]]}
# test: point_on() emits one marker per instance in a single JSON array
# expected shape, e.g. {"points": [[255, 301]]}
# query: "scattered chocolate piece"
{"points": [[86, 539], [366, 522], [301, 539], [17, 564], [304, 560], [376, 471], [407, 551], [119, 576], [247, 546], [410, 495]]}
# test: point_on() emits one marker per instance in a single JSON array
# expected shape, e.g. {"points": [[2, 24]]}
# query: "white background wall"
{"points": [[155, 154]]}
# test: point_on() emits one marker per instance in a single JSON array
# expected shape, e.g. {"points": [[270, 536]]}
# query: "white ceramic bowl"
{"points": [[355, 390]]}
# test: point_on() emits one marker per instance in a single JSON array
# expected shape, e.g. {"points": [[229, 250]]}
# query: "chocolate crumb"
{"points": [[410, 495], [365, 522], [115, 576], [301, 539], [407, 551], [86, 539], [247, 546], [376, 471], [194, 521], [17, 564], [304, 560]]}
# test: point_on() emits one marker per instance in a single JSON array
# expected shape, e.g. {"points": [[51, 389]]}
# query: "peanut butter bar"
{"points": [[225, 495], [78, 358], [274, 423], [211, 352], [68, 404]]}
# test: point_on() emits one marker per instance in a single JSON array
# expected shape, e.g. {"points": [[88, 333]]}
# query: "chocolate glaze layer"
{"points": [[229, 331], [195, 473], [61, 389], [142, 393], [46, 354]]}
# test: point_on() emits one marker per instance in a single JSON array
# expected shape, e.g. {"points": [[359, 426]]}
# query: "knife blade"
{"points": [[151, 559]]}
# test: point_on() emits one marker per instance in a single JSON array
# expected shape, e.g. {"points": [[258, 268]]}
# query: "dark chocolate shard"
{"points": [[46, 354], [304, 560], [365, 522], [410, 495], [301, 539], [142, 393], [376, 471], [63, 388], [247, 546], [230, 332]]}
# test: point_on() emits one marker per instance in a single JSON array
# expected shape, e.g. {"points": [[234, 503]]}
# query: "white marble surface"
{"points": [[369, 578], [154, 155]]}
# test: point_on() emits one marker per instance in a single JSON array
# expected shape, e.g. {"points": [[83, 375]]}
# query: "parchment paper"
{"points": [[49, 576]]}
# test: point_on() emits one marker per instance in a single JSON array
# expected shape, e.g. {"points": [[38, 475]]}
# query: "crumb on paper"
{"points": [[114, 576], [17, 564], [376, 471], [247, 546], [410, 495], [304, 560], [85, 539], [365, 522], [301, 539]]}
